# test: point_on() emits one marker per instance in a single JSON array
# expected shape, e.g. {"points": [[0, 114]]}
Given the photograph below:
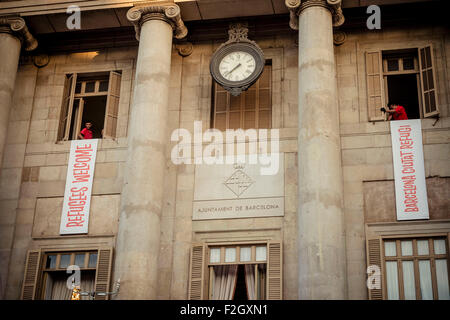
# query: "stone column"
{"points": [[13, 31], [321, 234], [138, 239]]}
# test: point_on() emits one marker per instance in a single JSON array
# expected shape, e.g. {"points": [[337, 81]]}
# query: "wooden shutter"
{"points": [[112, 105], [274, 271], [375, 85], [103, 272], [373, 249], [197, 272], [428, 82], [66, 107], [31, 276]]}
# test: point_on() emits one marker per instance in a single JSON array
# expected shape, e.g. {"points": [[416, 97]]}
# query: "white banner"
{"points": [[77, 196], [409, 170]]}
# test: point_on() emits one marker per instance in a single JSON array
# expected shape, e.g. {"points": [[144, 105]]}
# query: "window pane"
{"points": [[442, 279], [65, 260], [408, 63], [408, 280], [90, 86], [221, 101], [92, 260], [407, 248], [425, 80], [230, 254], [265, 119], [78, 87], [235, 103], [389, 249], [430, 79], [103, 85], [221, 121], [392, 65], [250, 99], [235, 120], [422, 58], [214, 255], [425, 280], [439, 246], [264, 99], [79, 259], [51, 261], [428, 56], [249, 120], [245, 254], [392, 280], [261, 253], [422, 247]]}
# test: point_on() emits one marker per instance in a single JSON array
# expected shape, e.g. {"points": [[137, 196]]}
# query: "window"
{"points": [[45, 273], [251, 109], [413, 268], [90, 97], [243, 271], [406, 77]]}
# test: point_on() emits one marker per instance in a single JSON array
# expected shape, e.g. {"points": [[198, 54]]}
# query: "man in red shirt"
{"points": [[395, 112], [86, 133]]}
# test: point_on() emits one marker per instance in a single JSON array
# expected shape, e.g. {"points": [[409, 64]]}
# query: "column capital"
{"points": [[296, 7], [157, 10], [16, 26]]}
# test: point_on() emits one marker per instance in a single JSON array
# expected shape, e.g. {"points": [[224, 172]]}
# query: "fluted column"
{"points": [[321, 234], [138, 239], [13, 32]]}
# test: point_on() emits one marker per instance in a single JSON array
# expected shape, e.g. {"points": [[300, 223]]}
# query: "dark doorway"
{"points": [[240, 293], [94, 111], [402, 90]]}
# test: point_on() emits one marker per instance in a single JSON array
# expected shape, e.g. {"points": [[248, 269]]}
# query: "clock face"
{"points": [[237, 66]]}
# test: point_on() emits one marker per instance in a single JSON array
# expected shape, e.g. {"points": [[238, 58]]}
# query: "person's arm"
{"points": [[81, 134]]}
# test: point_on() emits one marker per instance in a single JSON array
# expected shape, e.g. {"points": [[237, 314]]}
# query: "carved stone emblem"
{"points": [[239, 181]]}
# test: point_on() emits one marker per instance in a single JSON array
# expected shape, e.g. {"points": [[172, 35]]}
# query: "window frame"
{"points": [[370, 112], [415, 257], [237, 246], [401, 71], [70, 133], [242, 110], [34, 287]]}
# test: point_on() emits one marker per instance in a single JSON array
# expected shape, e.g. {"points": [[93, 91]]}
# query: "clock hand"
{"points": [[228, 73]]}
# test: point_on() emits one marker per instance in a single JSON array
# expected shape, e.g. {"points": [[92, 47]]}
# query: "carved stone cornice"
{"points": [[166, 11], [295, 8], [16, 26]]}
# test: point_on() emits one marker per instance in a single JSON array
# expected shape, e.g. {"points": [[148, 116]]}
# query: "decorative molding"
{"points": [[165, 11], [184, 48], [41, 60], [295, 8], [16, 26], [339, 37]]}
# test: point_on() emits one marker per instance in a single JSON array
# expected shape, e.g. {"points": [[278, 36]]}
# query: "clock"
{"points": [[237, 64]]}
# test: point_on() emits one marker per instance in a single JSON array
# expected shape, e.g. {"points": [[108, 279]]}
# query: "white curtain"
{"points": [[426, 287], [392, 280], [224, 282], [56, 285], [442, 279], [408, 280], [250, 281]]}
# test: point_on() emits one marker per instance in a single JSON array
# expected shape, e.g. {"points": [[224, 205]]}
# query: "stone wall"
{"points": [[34, 167]]}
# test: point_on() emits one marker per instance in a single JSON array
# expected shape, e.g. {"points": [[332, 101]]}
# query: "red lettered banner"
{"points": [[77, 196], [409, 170]]}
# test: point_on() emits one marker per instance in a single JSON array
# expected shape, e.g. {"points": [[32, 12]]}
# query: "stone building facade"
{"points": [[338, 214]]}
